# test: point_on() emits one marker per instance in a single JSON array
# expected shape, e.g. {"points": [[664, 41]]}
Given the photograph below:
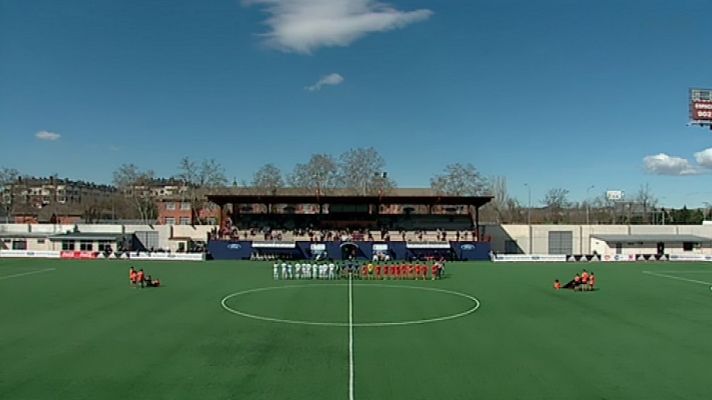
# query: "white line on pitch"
{"points": [[677, 278], [351, 340], [674, 271], [26, 273]]}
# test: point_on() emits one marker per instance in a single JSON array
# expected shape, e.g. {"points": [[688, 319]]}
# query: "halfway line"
{"points": [[351, 341], [26, 273], [677, 278]]}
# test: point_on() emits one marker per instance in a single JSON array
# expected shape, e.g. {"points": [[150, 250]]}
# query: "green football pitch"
{"points": [[227, 330]]}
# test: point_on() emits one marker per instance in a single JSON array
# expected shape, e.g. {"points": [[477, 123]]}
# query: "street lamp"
{"points": [[529, 216], [588, 205], [529, 208]]}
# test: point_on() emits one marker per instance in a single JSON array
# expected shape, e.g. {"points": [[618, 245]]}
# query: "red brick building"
{"points": [[175, 211]]}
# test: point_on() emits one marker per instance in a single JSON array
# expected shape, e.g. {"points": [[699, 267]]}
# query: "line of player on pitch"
{"points": [[366, 271]]}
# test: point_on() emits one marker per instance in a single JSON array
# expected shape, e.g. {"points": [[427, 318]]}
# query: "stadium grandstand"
{"points": [[403, 224]]}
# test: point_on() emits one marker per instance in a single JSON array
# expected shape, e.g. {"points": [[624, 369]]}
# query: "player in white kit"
{"points": [[298, 268], [285, 273], [275, 271]]}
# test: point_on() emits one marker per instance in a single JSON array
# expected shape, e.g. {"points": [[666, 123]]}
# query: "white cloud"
{"points": [[328, 80], [704, 158], [663, 164], [302, 26], [47, 135]]}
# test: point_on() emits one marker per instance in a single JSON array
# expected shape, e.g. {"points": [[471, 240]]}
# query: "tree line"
{"points": [[360, 171]]}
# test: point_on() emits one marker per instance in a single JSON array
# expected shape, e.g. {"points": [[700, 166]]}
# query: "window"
{"points": [[511, 247], [170, 205], [105, 245], [689, 246], [185, 205], [170, 221], [68, 245], [86, 245], [185, 220], [40, 241], [19, 244], [561, 242]]}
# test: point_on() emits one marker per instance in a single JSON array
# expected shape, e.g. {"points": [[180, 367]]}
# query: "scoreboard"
{"points": [[701, 106]]}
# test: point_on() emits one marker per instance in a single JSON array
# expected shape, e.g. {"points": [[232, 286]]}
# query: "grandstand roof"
{"points": [[653, 238], [87, 236], [344, 196]]}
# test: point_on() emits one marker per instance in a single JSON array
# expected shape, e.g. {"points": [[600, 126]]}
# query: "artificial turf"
{"points": [[80, 332]]}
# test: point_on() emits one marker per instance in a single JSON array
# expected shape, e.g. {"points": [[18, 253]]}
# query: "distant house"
{"points": [[179, 211]]}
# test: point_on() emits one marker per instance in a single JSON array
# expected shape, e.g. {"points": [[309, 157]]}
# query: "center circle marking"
{"points": [[474, 300]]}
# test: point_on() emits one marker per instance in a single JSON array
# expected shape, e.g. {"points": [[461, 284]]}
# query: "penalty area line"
{"points": [[26, 273], [677, 278]]}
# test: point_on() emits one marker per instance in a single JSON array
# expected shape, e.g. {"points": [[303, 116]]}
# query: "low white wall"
{"points": [[537, 242], [168, 256], [603, 248], [86, 228], [532, 239], [28, 254], [14, 228]]}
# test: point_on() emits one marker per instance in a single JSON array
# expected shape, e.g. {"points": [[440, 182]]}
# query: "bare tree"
{"points": [[268, 178], [320, 173], [198, 180], [136, 184], [647, 201], [363, 171], [8, 180], [94, 209], [556, 200], [505, 208], [459, 180]]}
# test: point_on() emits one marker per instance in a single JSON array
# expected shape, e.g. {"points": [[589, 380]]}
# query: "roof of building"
{"points": [[23, 235], [52, 181], [343, 196], [45, 213], [86, 236], [652, 238]]}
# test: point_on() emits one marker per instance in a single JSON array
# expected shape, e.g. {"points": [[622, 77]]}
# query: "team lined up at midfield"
{"points": [[393, 271]]}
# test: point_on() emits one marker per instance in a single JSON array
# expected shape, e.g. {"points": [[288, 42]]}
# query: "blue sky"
{"points": [[559, 93]]}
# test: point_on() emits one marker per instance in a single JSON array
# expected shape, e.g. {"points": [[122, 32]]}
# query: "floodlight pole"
{"points": [[529, 215], [529, 207], [588, 206]]}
